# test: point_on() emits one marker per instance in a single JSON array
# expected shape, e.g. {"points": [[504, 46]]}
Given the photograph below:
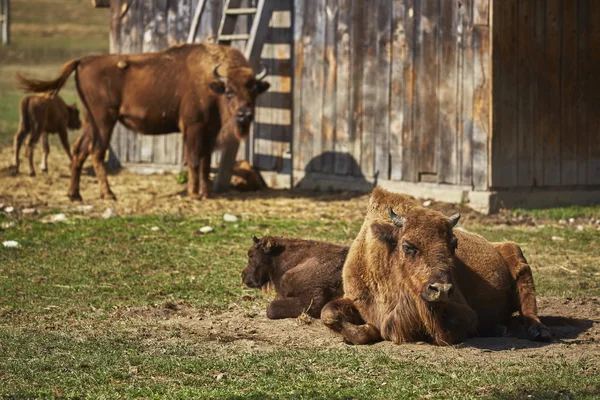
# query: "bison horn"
{"points": [[398, 221], [261, 75], [454, 219], [216, 74], [255, 239]]}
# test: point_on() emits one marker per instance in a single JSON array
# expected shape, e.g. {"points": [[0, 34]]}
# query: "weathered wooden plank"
{"points": [[299, 70], [427, 106], [161, 145], [481, 11], [343, 123], [369, 83], [329, 89], [568, 97], [447, 151], [398, 64], [526, 98], [540, 133], [356, 87], [135, 35], [481, 106], [466, 91], [594, 93], [583, 76], [145, 144], [504, 136], [410, 171], [552, 95], [383, 56]]}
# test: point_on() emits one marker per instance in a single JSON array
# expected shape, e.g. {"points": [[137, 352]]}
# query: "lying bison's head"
{"points": [[260, 262], [74, 122], [422, 247], [240, 88]]}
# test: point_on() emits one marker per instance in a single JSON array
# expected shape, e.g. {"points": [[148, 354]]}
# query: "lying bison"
{"points": [[410, 277], [199, 90], [306, 274], [40, 115]]}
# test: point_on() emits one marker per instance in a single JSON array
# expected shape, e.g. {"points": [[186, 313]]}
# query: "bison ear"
{"points": [[386, 233], [255, 239], [218, 87], [263, 86]]}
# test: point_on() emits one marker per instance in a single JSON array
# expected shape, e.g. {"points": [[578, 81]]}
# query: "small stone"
{"points": [[30, 211], [58, 218], [155, 228], [580, 228], [571, 220], [9, 209], [598, 222], [426, 203], [230, 218], [8, 224], [109, 213], [84, 208], [11, 243], [558, 239], [206, 229], [562, 221], [220, 376]]}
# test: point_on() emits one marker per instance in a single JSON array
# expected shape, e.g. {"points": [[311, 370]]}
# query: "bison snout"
{"points": [[438, 292]]}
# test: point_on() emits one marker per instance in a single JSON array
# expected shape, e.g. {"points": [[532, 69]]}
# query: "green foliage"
{"points": [[182, 176]]}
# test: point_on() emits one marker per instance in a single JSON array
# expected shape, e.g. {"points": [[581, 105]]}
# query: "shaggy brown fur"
{"points": [[199, 90], [410, 277], [40, 115], [306, 274]]}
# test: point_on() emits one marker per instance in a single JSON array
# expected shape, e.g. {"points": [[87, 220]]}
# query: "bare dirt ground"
{"points": [[575, 325]]}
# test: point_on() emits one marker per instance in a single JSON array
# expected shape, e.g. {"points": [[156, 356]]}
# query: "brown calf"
{"points": [[306, 274], [42, 114], [410, 277]]}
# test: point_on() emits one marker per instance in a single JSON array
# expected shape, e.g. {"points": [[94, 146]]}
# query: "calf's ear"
{"points": [[386, 233], [255, 239], [218, 87]]}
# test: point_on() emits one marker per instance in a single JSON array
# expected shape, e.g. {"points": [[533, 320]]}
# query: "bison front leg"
{"points": [[45, 152], [342, 316], [205, 185], [524, 289], [81, 150], [191, 158], [18, 142]]}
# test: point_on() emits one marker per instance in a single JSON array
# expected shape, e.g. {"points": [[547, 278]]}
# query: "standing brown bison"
{"points": [[410, 277], [199, 90], [40, 115], [306, 274]]}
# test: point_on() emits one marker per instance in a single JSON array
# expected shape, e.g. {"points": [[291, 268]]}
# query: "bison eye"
{"points": [[409, 249]]}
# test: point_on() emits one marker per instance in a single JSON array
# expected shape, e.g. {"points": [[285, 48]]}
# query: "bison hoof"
{"points": [[539, 333], [205, 196], [45, 170], [75, 196], [32, 173], [108, 196]]}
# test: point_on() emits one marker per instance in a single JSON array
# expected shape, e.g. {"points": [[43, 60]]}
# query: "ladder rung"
{"points": [[239, 36], [240, 11]]}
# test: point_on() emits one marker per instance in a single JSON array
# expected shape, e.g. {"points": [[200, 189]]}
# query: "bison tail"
{"points": [[53, 86], [24, 124]]}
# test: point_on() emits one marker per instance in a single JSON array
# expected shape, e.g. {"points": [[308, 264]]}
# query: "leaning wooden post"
{"points": [[5, 21]]}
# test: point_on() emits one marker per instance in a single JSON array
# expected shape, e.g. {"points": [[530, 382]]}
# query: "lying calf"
{"points": [[306, 274], [410, 277]]}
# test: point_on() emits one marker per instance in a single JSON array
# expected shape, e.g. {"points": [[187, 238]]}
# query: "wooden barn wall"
{"points": [[546, 93], [396, 90]]}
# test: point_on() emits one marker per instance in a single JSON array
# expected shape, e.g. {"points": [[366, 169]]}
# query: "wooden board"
{"points": [[399, 62], [594, 95], [466, 91], [583, 84], [482, 84], [330, 87], [369, 91]]}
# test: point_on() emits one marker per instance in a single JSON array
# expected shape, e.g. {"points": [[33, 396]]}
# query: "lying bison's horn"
{"points": [[398, 221], [216, 74], [261, 75], [454, 219], [255, 239]]}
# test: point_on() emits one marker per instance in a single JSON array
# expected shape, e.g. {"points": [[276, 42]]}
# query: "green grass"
{"points": [[558, 213], [59, 336]]}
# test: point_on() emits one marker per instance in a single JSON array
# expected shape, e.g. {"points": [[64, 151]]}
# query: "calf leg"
{"points": [[64, 140], [18, 142], [81, 150], [45, 152], [342, 316], [285, 308], [524, 289]]}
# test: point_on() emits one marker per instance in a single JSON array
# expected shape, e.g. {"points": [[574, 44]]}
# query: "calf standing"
{"points": [[306, 274], [42, 114]]}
